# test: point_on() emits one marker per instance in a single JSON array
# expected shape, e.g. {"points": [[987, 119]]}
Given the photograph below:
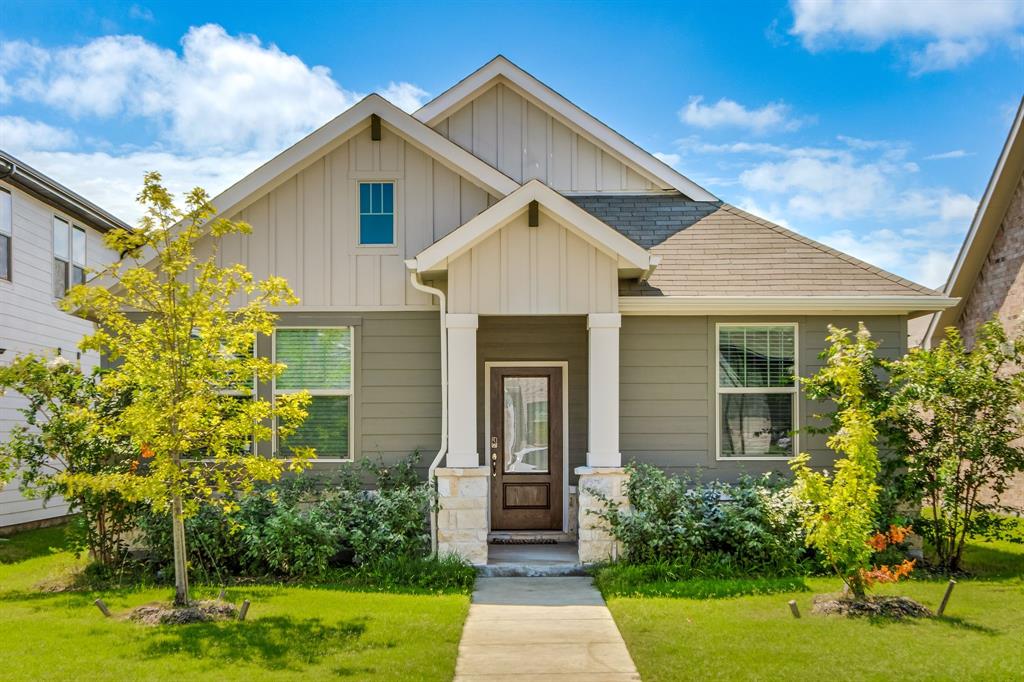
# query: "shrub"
{"points": [[305, 526], [752, 527]]}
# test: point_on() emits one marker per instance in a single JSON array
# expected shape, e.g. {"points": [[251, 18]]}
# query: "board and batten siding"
{"points": [[307, 230], [32, 323], [667, 389], [508, 130], [544, 270]]}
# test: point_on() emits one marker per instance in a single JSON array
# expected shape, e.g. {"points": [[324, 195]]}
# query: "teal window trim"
{"points": [[376, 213]]}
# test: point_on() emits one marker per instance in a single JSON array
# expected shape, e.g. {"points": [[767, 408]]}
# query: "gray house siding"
{"points": [[667, 385], [396, 403]]}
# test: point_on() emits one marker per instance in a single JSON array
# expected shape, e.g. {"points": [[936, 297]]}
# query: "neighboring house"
{"points": [[988, 275], [503, 283], [49, 238]]}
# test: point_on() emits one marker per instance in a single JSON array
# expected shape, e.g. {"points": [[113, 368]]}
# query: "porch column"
{"points": [[462, 484], [462, 390], [603, 477], [603, 382]]}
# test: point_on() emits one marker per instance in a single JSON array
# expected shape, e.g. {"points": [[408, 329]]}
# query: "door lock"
{"points": [[494, 465]]}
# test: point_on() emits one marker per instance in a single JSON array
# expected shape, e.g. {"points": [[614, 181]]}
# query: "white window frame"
{"points": [[70, 261], [253, 445], [386, 180], [350, 391], [720, 390], [10, 239]]}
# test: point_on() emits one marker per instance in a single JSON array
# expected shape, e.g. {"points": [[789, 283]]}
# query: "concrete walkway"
{"points": [[541, 629]]}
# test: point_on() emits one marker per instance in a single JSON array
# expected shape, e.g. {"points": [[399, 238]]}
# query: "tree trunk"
{"points": [[180, 567]]}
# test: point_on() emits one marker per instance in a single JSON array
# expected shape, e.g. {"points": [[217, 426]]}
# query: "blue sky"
{"points": [[870, 126]]}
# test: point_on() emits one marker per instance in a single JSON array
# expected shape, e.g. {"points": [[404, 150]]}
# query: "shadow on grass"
{"points": [[994, 560], [273, 642], [31, 544], [649, 581]]}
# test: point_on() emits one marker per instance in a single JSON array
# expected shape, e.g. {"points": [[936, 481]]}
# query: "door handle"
{"points": [[494, 465]]}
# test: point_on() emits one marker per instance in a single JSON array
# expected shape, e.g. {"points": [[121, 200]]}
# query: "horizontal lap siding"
{"points": [[668, 398], [32, 323]]}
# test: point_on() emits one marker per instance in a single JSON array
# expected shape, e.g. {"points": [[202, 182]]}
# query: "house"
{"points": [[507, 285], [50, 238], [988, 275]]}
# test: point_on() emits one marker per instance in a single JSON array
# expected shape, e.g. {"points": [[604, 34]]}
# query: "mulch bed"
{"points": [[886, 607], [158, 613]]}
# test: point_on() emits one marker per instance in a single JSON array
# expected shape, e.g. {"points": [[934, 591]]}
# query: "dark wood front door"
{"points": [[525, 448]]}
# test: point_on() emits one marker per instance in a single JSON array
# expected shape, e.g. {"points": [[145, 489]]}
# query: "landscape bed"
{"points": [[292, 631]]}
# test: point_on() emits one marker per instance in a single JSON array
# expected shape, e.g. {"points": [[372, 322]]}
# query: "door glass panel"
{"points": [[527, 426]]}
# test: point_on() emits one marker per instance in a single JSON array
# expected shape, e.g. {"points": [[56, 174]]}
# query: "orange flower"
{"points": [[147, 452], [878, 542], [898, 534]]}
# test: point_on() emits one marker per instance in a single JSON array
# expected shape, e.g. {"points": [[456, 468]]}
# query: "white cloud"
{"points": [[112, 181], [141, 13], [18, 134], [943, 34], [895, 252], [670, 159], [727, 112], [953, 154], [405, 96], [221, 93]]}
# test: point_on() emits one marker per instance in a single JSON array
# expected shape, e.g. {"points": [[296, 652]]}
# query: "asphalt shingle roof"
{"points": [[715, 249]]}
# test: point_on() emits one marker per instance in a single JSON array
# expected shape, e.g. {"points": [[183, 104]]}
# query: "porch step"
{"points": [[532, 561], [526, 537]]}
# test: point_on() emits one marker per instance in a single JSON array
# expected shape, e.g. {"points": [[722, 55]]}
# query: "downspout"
{"points": [[416, 280]]}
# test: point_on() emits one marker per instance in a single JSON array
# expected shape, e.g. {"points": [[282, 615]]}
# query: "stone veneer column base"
{"points": [[462, 518], [595, 542]]}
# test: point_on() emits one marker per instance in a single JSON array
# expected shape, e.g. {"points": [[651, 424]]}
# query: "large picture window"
{"points": [[757, 390], [319, 361]]}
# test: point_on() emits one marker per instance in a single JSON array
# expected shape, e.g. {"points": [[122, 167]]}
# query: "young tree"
{"points": [[58, 436], [181, 343], [843, 506], [960, 413]]}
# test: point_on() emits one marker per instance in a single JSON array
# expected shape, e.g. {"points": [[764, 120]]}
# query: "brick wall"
{"points": [[999, 290]]}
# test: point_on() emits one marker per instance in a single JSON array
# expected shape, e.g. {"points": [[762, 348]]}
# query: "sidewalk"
{"points": [[541, 629]]}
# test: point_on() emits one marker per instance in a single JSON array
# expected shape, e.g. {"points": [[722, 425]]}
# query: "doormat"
{"points": [[524, 541]]}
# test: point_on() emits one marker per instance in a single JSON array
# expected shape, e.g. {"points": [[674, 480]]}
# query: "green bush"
{"points": [[305, 526], [752, 527]]}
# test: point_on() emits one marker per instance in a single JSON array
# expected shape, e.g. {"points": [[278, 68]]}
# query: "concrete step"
{"points": [[526, 536], [512, 570]]}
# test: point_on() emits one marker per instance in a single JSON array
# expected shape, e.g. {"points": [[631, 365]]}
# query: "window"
{"points": [[757, 392], [6, 231], [376, 213], [68, 256], [318, 361]]}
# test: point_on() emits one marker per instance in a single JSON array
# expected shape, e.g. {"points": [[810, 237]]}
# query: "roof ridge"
{"points": [[796, 236]]}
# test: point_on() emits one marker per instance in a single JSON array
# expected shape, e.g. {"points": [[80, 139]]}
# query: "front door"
{"points": [[525, 448]]}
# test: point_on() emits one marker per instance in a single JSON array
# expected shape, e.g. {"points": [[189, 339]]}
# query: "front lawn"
{"points": [[704, 631], [292, 632]]}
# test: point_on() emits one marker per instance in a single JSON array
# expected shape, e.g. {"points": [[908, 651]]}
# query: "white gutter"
{"points": [[417, 283], [793, 305]]}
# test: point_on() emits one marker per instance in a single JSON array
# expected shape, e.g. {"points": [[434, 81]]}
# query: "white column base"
{"points": [[462, 523], [596, 543]]}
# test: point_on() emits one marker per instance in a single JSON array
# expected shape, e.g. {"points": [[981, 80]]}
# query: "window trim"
{"points": [[350, 392], [235, 393], [719, 390], [70, 260], [10, 241], [394, 211]]}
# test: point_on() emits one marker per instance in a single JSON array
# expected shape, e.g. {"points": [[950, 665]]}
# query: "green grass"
{"points": [[292, 632], [724, 630]]}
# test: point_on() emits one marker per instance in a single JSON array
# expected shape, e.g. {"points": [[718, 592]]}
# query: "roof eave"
{"points": [[783, 305]]}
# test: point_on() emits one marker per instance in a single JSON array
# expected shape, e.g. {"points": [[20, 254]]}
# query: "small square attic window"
{"points": [[376, 213]]}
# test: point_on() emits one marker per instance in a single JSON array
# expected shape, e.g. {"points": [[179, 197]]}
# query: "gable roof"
{"points": [[987, 220], [343, 127], [27, 178], [586, 225], [503, 70]]}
